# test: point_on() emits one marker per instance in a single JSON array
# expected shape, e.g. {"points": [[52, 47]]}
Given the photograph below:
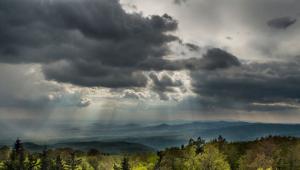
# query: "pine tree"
{"points": [[125, 164], [160, 157], [58, 163], [20, 153], [221, 142], [199, 143], [17, 157], [45, 162], [73, 163]]}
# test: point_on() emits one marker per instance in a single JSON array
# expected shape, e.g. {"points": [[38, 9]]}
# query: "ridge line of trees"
{"points": [[267, 153]]}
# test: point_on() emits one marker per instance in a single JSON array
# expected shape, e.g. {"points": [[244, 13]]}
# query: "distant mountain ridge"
{"points": [[104, 147], [166, 135], [163, 135], [253, 131]]}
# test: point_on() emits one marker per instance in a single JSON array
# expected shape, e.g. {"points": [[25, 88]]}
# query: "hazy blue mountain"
{"points": [[157, 136], [104, 147], [252, 131]]}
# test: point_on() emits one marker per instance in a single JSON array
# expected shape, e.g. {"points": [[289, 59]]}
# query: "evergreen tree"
{"points": [[19, 151], [221, 142], [160, 157], [45, 162], [18, 147], [199, 143], [221, 139], [125, 164], [16, 158], [58, 163], [73, 163]]}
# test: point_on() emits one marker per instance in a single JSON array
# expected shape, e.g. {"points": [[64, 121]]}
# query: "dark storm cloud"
{"points": [[216, 58], [87, 43], [192, 47], [250, 83], [179, 2], [164, 84], [282, 23], [92, 74], [212, 106], [213, 59]]}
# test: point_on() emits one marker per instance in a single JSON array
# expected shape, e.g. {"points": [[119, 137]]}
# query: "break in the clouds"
{"points": [[209, 23], [190, 56], [25, 88]]}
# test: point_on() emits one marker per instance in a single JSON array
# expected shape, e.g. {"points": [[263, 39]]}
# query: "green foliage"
{"points": [[94, 161], [73, 163], [32, 162], [16, 160], [5, 153], [199, 144], [270, 153], [45, 160], [212, 159], [143, 161]]}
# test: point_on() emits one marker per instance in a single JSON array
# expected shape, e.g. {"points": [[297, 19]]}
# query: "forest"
{"points": [[266, 153]]}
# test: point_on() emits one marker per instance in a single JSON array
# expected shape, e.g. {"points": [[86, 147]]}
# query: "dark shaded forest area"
{"points": [[268, 153]]}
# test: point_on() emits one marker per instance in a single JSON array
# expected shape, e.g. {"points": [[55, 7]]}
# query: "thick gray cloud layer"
{"points": [[164, 84], [27, 90], [214, 58], [96, 43], [179, 2], [282, 23], [87, 43], [249, 84]]}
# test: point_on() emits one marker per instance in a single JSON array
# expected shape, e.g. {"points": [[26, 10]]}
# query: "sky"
{"points": [[149, 61]]}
